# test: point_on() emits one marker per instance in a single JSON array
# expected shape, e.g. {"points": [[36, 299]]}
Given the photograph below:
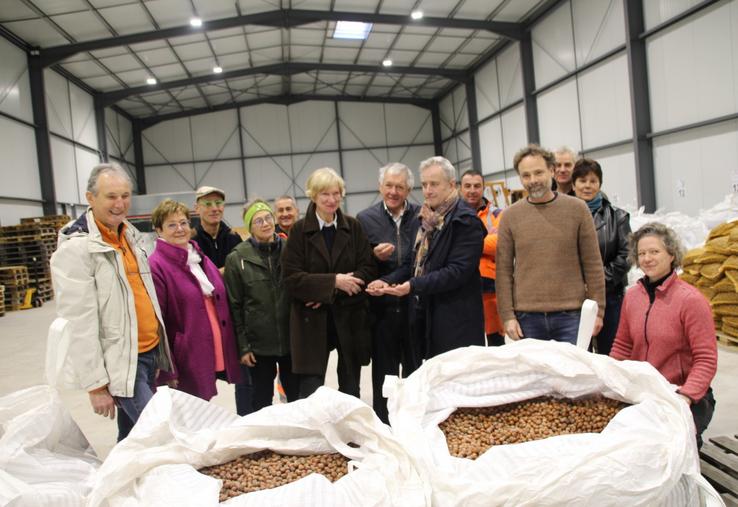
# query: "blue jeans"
{"points": [[244, 392], [129, 409], [604, 340], [557, 326]]}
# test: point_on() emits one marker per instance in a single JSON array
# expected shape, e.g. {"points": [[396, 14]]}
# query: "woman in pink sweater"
{"points": [[668, 323]]}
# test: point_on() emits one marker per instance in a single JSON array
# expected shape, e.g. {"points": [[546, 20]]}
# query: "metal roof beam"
{"points": [[282, 18], [284, 100], [282, 69]]}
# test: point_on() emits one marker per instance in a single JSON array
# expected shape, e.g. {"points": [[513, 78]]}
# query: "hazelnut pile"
{"points": [[267, 469], [472, 431]]}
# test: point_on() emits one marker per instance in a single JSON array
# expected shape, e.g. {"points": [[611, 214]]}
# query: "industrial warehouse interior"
{"points": [[246, 99]]}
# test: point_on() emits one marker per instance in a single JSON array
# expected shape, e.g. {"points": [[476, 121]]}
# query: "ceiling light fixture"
{"points": [[416, 15], [150, 81], [196, 22], [351, 30], [217, 69], [387, 62]]}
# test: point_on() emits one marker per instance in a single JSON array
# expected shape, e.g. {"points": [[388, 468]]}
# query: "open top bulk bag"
{"points": [[646, 455], [45, 460], [178, 434]]}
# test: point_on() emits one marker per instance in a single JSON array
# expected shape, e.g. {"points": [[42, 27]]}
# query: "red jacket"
{"points": [[676, 334]]}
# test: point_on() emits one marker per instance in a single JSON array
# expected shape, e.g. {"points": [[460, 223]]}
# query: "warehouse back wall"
{"points": [[281, 145], [581, 88]]}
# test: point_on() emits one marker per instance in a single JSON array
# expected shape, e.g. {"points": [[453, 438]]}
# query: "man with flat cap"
{"points": [[216, 240], [213, 236]]}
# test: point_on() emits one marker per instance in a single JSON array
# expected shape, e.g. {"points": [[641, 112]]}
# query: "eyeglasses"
{"points": [[209, 204], [267, 219], [173, 226]]}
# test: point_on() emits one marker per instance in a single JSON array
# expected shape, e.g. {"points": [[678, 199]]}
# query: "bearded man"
{"points": [[548, 258]]}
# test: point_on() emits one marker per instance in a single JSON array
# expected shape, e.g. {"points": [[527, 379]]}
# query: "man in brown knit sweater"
{"points": [[548, 260]]}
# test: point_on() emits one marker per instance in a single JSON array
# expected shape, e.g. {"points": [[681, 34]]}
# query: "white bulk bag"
{"points": [[178, 434], [59, 371], [645, 456], [45, 459]]}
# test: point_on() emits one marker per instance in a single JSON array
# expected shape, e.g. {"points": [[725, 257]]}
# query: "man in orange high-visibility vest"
{"points": [[472, 191]]}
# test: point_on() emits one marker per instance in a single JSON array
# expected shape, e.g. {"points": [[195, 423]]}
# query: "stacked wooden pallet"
{"points": [[2, 300], [719, 464], [55, 221], [15, 282], [30, 245]]}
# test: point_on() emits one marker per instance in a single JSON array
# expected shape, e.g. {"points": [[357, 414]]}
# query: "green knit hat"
{"points": [[253, 210]]}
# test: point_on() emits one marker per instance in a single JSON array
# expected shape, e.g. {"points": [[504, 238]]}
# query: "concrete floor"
{"points": [[23, 346]]}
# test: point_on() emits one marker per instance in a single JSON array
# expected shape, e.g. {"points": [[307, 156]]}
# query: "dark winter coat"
{"points": [[309, 272], [448, 309], [217, 249], [613, 228], [187, 323], [380, 228], [258, 299]]}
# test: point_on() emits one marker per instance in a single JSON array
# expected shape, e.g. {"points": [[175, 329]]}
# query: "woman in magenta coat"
{"points": [[194, 307], [668, 323]]}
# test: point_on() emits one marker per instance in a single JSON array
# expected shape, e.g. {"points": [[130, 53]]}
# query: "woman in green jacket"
{"points": [[259, 305]]}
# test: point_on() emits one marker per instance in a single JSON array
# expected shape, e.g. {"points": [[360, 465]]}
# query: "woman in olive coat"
{"points": [[259, 305], [326, 264]]}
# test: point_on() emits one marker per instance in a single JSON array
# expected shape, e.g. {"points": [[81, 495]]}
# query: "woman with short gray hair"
{"points": [[668, 323]]}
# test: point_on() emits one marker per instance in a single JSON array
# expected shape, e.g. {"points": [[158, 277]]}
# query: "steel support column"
{"points": [[639, 104], [338, 138], [138, 156], [529, 86], [41, 131], [102, 138], [471, 107], [242, 154], [436, 121]]}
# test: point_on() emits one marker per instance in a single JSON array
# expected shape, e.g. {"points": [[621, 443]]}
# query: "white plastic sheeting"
{"points": [[45, 459], [646, 455], [178, 434]]}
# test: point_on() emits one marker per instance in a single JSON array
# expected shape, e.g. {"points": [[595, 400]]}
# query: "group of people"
{"points": [[397, 284]]}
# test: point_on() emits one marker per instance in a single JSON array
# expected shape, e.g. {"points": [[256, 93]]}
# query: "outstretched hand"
{"points": [[376, 288], [400, 290]]}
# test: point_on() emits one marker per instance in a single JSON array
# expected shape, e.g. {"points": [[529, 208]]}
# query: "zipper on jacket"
{"points": [[124, 282], [645, 326], [275, 299], [398, 236]]}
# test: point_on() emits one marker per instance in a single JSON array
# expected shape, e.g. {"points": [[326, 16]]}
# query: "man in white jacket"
{"points": [[104, 289]]}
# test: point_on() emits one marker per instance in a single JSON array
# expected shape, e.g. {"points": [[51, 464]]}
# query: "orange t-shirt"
{"points": [[148, 324], [217, 336]]}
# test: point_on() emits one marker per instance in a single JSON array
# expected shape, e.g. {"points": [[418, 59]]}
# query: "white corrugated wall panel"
{"points": [[19, 168], [553, 46], [15, 89], [696, 168], [558, 117], [693, 68], [604, 98]]}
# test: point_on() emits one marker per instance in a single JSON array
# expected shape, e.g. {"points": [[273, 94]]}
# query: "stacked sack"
{"points": [[713, 269]]}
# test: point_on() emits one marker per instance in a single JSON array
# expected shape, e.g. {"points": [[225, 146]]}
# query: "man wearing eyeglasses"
{"points": [[216, 240], [214, 237]]}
